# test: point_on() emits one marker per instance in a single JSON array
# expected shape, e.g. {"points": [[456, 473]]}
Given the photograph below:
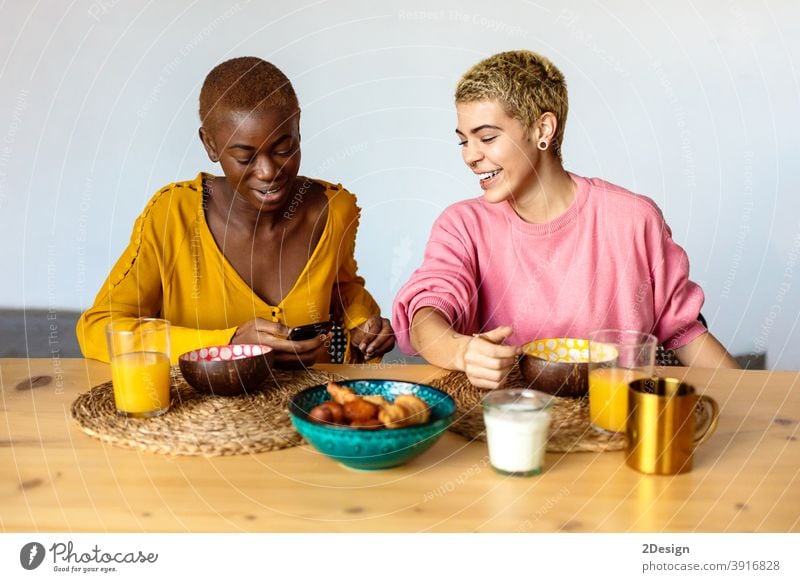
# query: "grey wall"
{"points": [[694, 104]]}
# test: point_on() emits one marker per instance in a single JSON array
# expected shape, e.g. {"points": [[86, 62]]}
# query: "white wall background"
{"points": [[696, 104]]}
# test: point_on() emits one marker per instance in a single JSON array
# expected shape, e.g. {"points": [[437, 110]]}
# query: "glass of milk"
{"points": [[517, 422]]}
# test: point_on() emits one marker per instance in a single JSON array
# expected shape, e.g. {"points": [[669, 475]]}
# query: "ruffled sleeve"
{"points": [[134, 287], [350, 298]]}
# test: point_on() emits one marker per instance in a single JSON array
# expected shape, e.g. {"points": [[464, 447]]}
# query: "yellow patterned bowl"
{"points": [[558, 366]]}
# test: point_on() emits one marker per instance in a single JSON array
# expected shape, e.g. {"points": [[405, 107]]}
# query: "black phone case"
{"points": [[306, 332]]}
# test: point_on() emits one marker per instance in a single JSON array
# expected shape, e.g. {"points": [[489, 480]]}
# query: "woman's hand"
{"points": [[287, 353], [485, 361], [371, 339]]}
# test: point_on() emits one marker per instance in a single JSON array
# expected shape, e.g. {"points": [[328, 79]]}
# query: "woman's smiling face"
{"points": [[259, 153], [497, 148]]}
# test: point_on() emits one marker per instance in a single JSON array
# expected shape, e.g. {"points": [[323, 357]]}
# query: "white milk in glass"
{"points": [[516, 431]]}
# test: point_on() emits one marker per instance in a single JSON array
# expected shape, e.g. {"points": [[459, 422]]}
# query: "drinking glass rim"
{"points": [[545, 399]]}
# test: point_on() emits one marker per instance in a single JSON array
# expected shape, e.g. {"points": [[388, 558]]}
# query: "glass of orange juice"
{"points": [[616, 358], [139, 353]]}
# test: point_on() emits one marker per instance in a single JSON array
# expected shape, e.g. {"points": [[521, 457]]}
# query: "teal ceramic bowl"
{"points": [[373, 449]]}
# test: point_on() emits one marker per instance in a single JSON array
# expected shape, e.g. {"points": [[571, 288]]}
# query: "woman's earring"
{"points": [[543, 145]]}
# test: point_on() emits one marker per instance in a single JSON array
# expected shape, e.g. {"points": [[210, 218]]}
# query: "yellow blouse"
{"points": [[174, 269]]}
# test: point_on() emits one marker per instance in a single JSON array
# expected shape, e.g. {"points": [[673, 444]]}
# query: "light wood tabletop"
{"points": [[56, 478]]}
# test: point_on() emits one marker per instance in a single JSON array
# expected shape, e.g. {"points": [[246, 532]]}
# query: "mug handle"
{"points": [[708, 425]]}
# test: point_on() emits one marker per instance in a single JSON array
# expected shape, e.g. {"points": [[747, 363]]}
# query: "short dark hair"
{"points": [[245, 84]]}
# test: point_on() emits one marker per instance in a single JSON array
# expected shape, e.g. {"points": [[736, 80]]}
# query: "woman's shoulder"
{"points": [[332, 190], [341, 202], [618, 201], [169, 215], [178, 201], [465, 214]]}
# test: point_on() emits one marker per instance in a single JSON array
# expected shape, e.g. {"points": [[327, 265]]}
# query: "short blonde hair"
{"points": [[525, 83]]}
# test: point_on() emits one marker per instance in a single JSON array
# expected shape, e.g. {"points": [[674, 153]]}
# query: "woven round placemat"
{"points": [[569, 425], [199, 424]]}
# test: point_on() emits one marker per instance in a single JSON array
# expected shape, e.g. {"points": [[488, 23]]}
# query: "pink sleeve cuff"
{"points": [[403, 315]]}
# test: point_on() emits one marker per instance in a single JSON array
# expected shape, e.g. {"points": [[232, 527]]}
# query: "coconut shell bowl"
{"points": [[229, 370], [558, 366]]}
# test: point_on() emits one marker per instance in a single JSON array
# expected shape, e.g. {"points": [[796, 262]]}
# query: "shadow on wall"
{"points": [[39, 333]]}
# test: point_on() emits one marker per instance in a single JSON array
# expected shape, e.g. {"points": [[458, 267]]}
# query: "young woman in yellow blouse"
{"points": [[243, 257]]}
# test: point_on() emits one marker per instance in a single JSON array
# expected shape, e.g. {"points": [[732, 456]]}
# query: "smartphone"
{"points": [[306, 332]]}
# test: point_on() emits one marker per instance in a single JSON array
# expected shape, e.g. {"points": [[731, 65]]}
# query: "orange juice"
{"points": [[608, 396], [141, 383]]}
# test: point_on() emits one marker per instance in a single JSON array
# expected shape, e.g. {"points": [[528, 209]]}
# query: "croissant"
{"points": [[419, 413], [360, 409], [377, 400], [393, 416], [407, 410], [341, 394]]}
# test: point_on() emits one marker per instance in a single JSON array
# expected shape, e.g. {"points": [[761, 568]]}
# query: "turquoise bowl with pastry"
{"points": [[370, 449]]}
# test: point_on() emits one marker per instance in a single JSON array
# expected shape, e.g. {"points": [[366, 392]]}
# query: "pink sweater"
{"points": [[608, 262]]}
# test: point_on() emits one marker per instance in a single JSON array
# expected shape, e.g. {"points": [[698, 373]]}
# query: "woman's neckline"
{"points": [[205, 191], [547, 228]]}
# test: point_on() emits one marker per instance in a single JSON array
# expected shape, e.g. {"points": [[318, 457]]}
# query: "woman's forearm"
{"points": [[436, 341], [705, 351], [91, 334]]}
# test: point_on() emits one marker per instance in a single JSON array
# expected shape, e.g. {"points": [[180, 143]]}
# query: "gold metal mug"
{"points": [[667, 419]]}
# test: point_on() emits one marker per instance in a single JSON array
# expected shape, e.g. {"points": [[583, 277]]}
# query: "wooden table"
{"points": [[55, 478]]}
